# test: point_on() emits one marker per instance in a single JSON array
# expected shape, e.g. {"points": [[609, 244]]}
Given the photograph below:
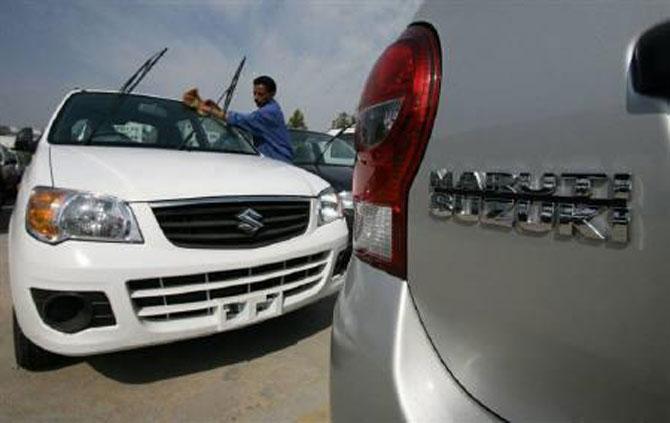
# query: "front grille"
{"points": [[177, 297], [219, 225]]}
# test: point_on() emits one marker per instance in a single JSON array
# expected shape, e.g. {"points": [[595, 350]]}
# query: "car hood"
{"points": [[146, 174]]}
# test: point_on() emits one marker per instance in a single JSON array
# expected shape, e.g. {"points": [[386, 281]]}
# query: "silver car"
{"points": [[512, 219]]}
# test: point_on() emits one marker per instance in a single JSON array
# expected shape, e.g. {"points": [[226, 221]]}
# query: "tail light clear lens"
{"points": [[396, 114]]}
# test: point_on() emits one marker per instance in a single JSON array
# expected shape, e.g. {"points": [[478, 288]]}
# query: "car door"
{"points": [[546, 323]]}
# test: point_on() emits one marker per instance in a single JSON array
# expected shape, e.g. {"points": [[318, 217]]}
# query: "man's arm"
{"points": [[253, 122]]}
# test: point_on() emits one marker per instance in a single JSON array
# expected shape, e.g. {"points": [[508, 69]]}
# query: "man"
{"points": [[266, 124]]}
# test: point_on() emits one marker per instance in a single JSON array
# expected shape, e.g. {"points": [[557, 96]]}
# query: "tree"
{"points": [[297, 120], [343, 120]]}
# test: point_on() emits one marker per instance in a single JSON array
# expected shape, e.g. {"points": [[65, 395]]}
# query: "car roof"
{"points": [[350, 130], [307, 131], [100, 91]]}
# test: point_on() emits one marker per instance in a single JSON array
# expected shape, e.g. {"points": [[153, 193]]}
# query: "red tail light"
{"points": [[396, 115]]}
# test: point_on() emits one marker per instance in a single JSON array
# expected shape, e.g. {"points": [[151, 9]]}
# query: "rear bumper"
{"points": [[383, 366]]}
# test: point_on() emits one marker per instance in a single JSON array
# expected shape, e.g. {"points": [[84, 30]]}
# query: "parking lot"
{"points": [[274, 371]]}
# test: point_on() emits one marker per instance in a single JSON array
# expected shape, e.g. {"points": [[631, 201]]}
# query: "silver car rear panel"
{"points": [[383, 366], [543, 327]]}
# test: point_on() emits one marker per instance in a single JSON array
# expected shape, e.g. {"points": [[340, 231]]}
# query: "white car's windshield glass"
{"points": [[111, 119], [310, 147]]}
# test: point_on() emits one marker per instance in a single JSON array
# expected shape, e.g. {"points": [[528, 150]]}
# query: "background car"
{"points": [[332, 159], [512, 219], [347, 135], [10, 173]]}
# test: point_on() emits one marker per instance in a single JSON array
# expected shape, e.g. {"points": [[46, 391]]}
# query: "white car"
{"points": [[140, 222]]}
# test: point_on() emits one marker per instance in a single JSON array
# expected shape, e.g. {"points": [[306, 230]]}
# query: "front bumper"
{"points": [[109, 267], [383, 365]]}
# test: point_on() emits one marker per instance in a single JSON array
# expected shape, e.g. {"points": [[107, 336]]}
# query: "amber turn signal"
{"points": [[42, 212]]}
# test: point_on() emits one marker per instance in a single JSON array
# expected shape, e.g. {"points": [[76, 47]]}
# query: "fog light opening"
{"points": [[67, 313]]}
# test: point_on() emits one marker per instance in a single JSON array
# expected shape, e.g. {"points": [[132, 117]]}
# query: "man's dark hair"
{"points": [[268, 82]]}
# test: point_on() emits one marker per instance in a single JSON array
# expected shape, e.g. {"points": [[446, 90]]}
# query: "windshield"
{"points": [[139, 121], [308, 146]]}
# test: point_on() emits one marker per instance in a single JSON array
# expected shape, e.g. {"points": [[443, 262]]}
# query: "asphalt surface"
{"points": [[275, 371]]}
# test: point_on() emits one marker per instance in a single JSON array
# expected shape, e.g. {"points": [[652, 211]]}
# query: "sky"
{"points": [[319, 52]]}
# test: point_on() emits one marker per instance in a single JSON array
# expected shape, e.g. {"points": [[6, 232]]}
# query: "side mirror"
{"points": [[651, 63], [24, 141]]}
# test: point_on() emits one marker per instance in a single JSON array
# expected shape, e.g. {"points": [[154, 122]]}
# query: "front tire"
{"points": [[28, 355]]}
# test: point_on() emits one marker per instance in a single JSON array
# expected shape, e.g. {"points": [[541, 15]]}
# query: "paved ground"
{"points": [[275, 371]]}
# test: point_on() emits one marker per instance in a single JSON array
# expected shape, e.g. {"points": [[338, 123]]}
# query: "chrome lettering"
{"points": [[622, 186], [535, 216], [546, 185], [620, 220], [500, 182], [583, 219], [441, 204], [498, 212], [591, 205], [467, 206], [584, 184]]}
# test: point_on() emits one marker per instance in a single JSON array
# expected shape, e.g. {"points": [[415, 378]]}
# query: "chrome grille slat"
{"points": [[183, 289], [215, 208], [280, 230], [199, 224], [176, 297], [215, 224], [176, 308], [283, 219], [207, 237]]}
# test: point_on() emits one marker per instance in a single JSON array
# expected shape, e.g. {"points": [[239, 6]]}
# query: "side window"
{"points": [[341, 150], [349, 138], [340, 153], [303, 152]]}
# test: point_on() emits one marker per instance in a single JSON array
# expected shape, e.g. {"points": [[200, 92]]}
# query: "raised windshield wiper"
{"points": [[227, 93], [230, 91], [125, 89], [139, 75], [330, 141]]}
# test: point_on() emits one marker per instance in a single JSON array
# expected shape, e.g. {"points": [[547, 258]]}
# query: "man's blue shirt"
{"points": [[268, 129]]}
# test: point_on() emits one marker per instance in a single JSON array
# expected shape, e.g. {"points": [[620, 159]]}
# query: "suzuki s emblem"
{"points": [[591, 204], [250, 221]]}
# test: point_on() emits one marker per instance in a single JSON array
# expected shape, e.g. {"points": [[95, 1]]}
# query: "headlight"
{"points": [[347, 200], [330, 208], [56, 215]]}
